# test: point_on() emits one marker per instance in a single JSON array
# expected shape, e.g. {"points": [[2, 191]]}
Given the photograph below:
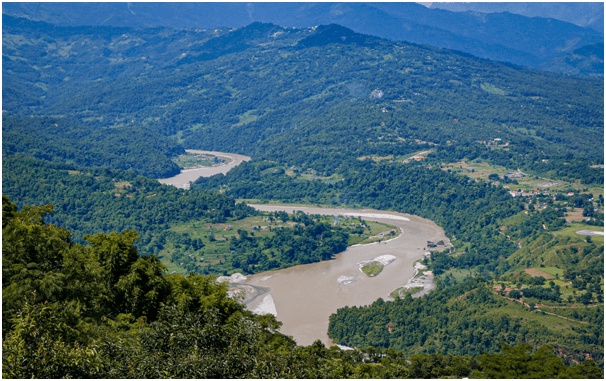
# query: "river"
{"points": [[305, 296], [183, 179]]}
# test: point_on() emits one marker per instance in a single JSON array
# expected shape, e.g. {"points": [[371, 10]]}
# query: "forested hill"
{"points": [[145, 152], [292, 94]]}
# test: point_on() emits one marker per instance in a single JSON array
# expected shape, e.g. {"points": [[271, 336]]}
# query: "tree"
{"points": [[32, 258], [115, 254], [143, 288], [517, 362], [39, 346], [586, 298]]}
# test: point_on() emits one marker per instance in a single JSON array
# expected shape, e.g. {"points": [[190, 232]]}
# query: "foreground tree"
{"points": [[518, 362]]}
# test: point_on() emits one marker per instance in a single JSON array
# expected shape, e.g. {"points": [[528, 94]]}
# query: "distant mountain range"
{"points": [[529, 41], [589, 14]]}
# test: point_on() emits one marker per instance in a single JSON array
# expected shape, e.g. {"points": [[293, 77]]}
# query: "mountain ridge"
{"points": [[503, 37]]}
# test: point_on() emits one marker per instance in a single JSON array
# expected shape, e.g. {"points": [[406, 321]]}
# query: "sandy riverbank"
{"points": [[422, 279]]}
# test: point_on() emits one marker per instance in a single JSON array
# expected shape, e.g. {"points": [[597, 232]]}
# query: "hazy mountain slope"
{"points": [[297, 94], [542, 37], [135, 15], [589, 14], [504, 37], [586, 60]]}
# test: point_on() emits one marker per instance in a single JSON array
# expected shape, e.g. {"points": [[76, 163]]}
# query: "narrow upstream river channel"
{"points": [[186, 176], [303, 297]]}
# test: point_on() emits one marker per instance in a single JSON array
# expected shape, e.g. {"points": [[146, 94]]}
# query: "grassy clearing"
{"points": [[372, 268], [572, 230], [515, 309], [376, 158], [378, 232], [247, 117], [492, 89], [460, 274], [194, 160], [312, 176], [552, 271], [575, 227], [481, 170]]}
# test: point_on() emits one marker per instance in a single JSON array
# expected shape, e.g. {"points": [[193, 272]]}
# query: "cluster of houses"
{"points": [[376, 93], [415, 157], [493, 142], [511, 175], [524, 193]]}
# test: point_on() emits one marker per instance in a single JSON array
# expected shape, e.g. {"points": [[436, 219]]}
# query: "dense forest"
{"points": [[464, 319], [296, 95], [145, 152], [102, 311], [307, 242], [104, 200]]}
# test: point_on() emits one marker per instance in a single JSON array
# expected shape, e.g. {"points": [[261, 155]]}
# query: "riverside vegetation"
{"points": [[81, 298], [103, 311]]}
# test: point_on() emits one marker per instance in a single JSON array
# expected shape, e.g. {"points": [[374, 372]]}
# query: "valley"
{"points": [[269, 201]]}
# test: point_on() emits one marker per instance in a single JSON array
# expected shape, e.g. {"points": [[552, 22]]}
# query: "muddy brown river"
{"points": [[303, 297]]}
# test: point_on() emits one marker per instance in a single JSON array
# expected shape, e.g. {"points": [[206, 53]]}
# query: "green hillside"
{"points": [[293, 94], [463, 319], [145, 152]]}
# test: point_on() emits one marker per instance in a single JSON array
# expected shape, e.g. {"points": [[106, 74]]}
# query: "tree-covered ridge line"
{"points": [[497, 36], [103, 311], [143, 151], [466, 318], [233, 91], [88, 200]]}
